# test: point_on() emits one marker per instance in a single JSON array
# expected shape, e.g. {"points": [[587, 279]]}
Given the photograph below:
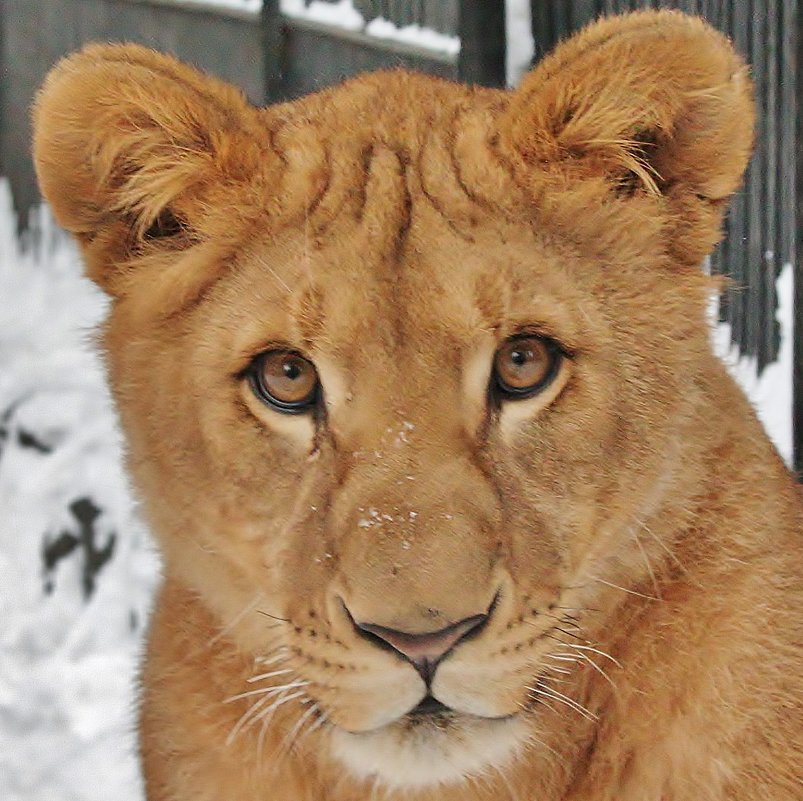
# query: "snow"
{"points": [[520, 43], [343, 14], [771, 392], [66, 664], [414, 35], [340, 15], [251, 6]]}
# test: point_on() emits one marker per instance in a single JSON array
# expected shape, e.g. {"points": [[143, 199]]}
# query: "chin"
{"points": [[427, 751]]}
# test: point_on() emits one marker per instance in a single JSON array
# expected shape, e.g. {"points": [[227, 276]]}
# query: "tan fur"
{"points": [[640, 535]]}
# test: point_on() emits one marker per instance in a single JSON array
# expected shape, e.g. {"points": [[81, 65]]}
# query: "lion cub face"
{"points": [[403, 366]]}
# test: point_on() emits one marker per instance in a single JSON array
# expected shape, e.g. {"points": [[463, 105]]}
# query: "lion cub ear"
{"points": [[654, 103], [127, 145]]}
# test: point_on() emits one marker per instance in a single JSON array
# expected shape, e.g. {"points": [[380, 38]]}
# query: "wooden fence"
{"points": [[275, 56]]}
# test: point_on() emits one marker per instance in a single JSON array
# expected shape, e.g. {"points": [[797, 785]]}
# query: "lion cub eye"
{"points": [[525, 365], [285, 380]]}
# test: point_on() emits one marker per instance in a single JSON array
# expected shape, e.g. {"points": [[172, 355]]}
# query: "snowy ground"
{"points": [[70, 634]]}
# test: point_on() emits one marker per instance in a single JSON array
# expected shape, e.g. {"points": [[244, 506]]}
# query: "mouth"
{"points": [[430, 745], [429, 707]]}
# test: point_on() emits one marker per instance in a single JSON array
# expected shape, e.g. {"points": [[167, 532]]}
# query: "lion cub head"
{"points": [[402, 364]]}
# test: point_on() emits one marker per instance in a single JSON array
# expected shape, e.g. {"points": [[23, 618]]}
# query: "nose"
{"points": [[423, 651]]}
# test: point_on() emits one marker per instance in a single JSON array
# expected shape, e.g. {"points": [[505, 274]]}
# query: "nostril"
{"points": [[425, 650]]}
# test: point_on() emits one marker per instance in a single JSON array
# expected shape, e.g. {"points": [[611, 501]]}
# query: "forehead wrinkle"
{"points": [[386, 213], [492, 299], [307, 314]]}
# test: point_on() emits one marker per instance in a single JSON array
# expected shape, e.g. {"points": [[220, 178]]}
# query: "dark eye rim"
{"points": [[503, 391], [253, 373]]}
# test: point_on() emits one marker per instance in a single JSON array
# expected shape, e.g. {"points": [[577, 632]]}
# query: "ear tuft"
{"points": [[165, 225], [655, 103], [128, 143]]}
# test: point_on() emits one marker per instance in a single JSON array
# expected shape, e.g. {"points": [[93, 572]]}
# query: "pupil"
{"points": [[519, 357], [291, 370]]}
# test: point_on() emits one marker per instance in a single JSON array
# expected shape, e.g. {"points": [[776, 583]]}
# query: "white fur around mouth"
{"points": [[410, 754]]}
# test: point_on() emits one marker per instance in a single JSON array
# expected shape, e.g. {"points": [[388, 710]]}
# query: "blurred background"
{"points": [[77, 570]]}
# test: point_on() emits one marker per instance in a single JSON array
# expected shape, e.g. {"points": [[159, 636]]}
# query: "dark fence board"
{"points": [[315, 56], [482, 38], [793, 25]]}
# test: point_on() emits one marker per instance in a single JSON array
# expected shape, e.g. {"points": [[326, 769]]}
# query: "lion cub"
{"points": [[455, 501]]}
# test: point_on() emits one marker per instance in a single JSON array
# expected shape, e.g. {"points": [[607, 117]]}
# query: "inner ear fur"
{"points": [[652, 104], [130, 145]]}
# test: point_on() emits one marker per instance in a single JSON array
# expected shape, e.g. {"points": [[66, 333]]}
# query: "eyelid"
{"points": [[542, 332], [247, 360]]}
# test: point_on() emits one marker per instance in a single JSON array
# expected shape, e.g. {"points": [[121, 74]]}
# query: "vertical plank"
{"points": [[4, 109], [771, 108], [543, 28], [736, 267], [272, 55], [793, 24], [482, 43], [561, 19], [790, 74], [582, 12], [757, 302]]}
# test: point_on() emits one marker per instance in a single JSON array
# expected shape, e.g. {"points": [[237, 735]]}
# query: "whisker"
{"points": [[557, 681], [266, 716], [553, 669], [593, 650], [270, 660], [247, 717], [558, 640], [568, 633], [625, 589], [562, 619], [289, 739], [547, 704], [280, 701], [599, 670], [317, 725], [538, 741], [273, 673], [564, 699], [672, 555], [272, 617], [563, 657], [647, 564], [263, 730], [272, 690], [224, 630]]}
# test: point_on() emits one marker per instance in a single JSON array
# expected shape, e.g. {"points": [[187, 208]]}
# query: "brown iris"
{"points": [[524, 365], [285, 380]]}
